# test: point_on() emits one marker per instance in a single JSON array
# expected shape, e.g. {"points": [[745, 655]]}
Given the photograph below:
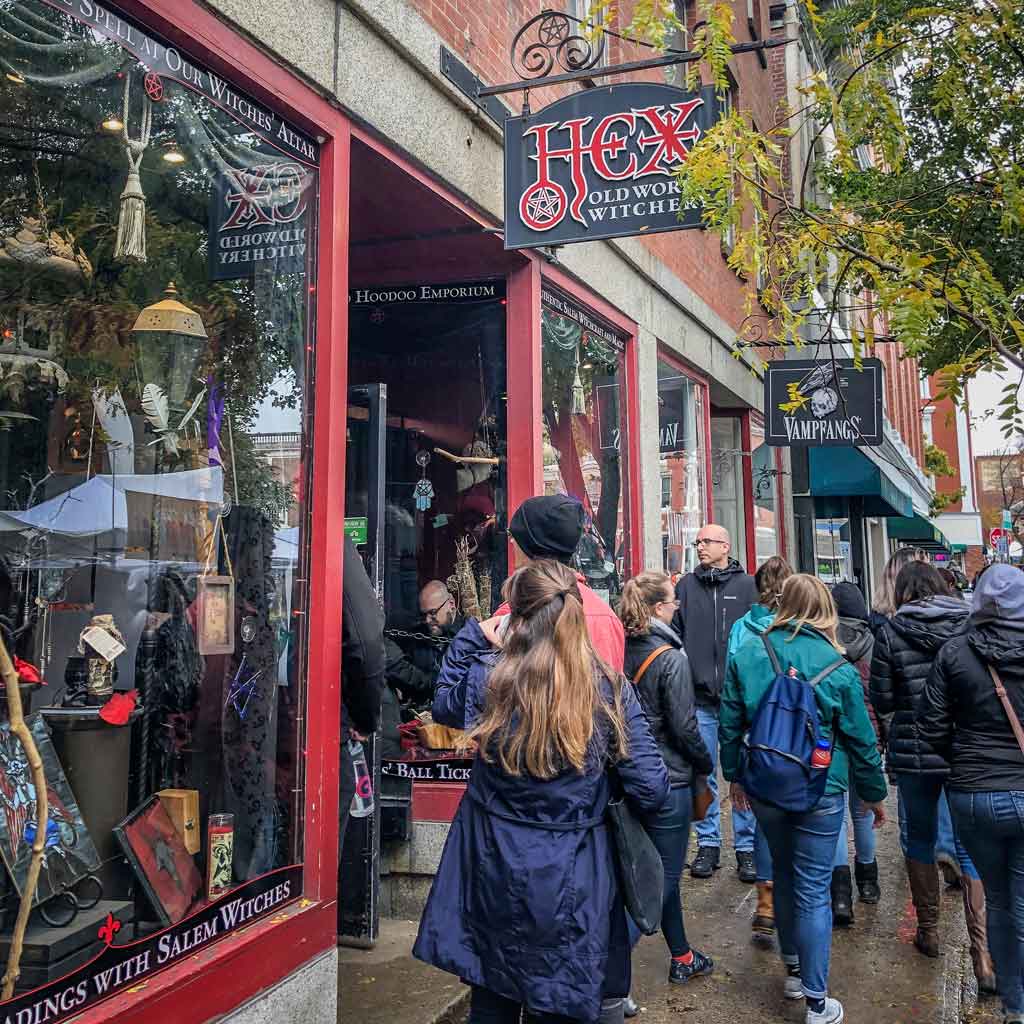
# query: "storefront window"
{"points": [[156, 272], [682, 464], [764, 474], [584, 401], [832, 549], [727, 481]]}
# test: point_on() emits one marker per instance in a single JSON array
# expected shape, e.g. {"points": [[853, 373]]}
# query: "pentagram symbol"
{"points": [[553, 30], [154, 86], [543, 205]]}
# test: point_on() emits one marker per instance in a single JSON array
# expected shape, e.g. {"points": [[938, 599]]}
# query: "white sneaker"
{"points": [[832, 1014], [793, 987]]}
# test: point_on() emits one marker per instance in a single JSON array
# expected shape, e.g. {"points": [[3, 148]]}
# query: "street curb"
{"points": [[456, 1011]]}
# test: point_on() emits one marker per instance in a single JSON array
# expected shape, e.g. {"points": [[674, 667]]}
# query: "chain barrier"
{"points": [[437, 641]]}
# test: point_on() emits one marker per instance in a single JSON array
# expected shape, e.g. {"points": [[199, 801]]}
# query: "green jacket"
{"points": [[855, 752]]}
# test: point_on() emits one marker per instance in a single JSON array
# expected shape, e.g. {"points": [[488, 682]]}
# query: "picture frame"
{"points": [[162, 865], [215, 623], [70, 852]]}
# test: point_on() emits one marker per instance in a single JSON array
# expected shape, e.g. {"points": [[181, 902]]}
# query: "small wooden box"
{"points": [[182, 806]]}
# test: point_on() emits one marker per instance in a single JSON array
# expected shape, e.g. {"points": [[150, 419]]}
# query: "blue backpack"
{"points": [[775, 761]]}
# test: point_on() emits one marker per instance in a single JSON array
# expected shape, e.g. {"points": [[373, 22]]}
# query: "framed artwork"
{"points": [[69, 854], [157, 854], [215, 599]]}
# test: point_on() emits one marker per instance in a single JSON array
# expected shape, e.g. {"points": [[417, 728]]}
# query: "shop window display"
{"points": [[156, 239], [584, 402], [683, 464]]}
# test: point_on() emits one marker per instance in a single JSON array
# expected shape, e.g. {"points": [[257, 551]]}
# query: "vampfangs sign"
{"points": [[119, 965], [813, 402], [258, 216], [601, 163]]}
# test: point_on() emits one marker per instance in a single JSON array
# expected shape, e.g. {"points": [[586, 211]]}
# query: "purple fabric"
{"points": [[214, 419]]}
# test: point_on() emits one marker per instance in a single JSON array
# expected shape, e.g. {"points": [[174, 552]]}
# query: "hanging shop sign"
{"points": [[813, 403], [258, 219], [117, 967], [163, 61], [601, 163], [416, 294]]}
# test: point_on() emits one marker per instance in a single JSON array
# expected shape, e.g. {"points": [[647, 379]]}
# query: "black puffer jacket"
{"points": [[962, 719], [905, 649], [666, 694]]}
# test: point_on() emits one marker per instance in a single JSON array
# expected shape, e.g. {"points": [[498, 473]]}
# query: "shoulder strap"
{"points": [[647, 662], [839, 663], [1018, 732], [772, 656]]}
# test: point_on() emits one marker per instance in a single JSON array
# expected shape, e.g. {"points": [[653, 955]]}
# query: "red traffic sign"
{"points": [[996, 534]]}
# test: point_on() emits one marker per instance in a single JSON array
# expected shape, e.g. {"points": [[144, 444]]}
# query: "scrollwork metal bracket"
{"points": [[554, 40]]}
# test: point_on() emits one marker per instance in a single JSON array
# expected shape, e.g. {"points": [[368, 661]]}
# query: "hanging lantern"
{"points": [[170, 337]]}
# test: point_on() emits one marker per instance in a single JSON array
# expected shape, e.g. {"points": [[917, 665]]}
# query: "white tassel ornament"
{"points": [[131, 223]]}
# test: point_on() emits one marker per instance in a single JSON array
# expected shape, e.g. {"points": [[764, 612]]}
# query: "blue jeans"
{"points": [[863, 835], [803, 847], [709, 831], [992, 826], [925, 825], [669, 830], [762, 856]]}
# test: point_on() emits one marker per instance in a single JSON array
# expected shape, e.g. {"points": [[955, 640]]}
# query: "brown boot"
{"points": [[974, 912], [763, 925], [924, 889]]}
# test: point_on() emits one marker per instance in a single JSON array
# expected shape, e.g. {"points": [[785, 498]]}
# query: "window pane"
{"points": [[153, 464], [727, 482], [766, 490], [584, 426], [682, 464]]}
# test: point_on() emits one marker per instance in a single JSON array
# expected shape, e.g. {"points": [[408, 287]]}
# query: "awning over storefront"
{"points": [[845, 473], [916, 528]]}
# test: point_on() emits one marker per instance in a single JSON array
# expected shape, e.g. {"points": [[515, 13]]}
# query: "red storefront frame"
{"points": [[226, 974]]}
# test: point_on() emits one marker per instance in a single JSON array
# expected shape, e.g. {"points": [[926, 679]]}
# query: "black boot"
{"points": [[867, 881], [842, 898]]}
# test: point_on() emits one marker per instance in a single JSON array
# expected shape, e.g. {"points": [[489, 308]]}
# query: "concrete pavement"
{"points": [[876, 972]]}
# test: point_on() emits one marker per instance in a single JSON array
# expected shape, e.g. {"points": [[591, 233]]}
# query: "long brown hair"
{"points": [[885, 599], [769, 579], [806, 601], [639, 596], [543, 696]]}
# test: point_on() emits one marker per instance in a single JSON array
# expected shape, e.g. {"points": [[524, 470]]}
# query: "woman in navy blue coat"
{"points": [[526, 906]]}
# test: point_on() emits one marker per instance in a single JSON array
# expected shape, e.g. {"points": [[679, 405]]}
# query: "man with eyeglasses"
{"points": [[711, 599], [437, 606]]}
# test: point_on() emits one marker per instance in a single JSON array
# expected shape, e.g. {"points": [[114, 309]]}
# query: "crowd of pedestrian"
{"points": [[806, 703]]}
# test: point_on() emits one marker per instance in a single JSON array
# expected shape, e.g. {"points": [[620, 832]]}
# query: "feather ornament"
{"points": [[156, 409]]}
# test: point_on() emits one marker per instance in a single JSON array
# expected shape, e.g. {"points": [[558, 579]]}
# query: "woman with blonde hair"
{"points": [[526, 906], [660, 671], [884, 605], [803, 638]]}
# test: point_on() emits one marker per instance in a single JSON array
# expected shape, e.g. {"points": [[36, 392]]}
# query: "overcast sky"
{"points": [[985, 392]]}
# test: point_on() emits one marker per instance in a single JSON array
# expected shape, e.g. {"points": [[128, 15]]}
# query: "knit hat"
{"points": [[1000, 593], [849, 601], [548, 527]]}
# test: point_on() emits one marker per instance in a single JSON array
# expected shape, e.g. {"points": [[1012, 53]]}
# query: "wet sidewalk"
{"points": [[876, 972]]}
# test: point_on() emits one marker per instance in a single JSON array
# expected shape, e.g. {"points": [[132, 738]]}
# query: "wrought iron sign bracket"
{"points": [[472, 87], [559, 43]]}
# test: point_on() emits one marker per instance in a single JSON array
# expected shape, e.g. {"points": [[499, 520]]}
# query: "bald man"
{"points": [[711, 599], [437, 606]]}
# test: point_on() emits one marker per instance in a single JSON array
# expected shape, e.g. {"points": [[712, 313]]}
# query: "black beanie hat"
{"points": [[548, 527], [849, 601]]}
